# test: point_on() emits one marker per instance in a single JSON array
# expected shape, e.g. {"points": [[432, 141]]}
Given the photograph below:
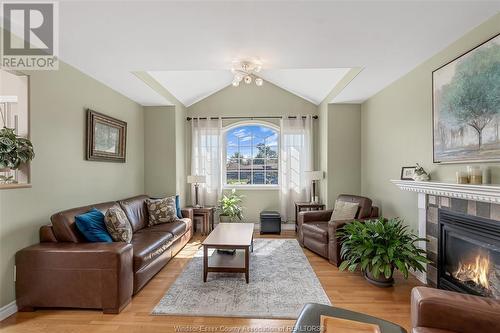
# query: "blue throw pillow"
{"points": [[92, 226], [178, 206]]}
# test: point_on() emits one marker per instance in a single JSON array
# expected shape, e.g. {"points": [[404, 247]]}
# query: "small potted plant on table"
{"points": [[379, 247]]}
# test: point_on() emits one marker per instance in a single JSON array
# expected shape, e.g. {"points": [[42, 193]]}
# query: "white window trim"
{"points": [[227, 128]]}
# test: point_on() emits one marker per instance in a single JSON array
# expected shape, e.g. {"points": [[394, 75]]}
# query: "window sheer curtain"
{"points": [[296, 147], [206, 158]]}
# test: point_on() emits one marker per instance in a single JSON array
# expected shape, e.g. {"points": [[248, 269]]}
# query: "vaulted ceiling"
{"points": [[305, 47]]}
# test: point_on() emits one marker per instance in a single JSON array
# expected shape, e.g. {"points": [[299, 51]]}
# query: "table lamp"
{"points": [[196, 180], [314, 176]]}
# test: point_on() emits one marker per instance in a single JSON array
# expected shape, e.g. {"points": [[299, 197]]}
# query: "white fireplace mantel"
{"points": [[485, 193]]}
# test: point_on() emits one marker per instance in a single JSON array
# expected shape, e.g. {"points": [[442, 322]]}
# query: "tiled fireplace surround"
{"points": [[471, 207]]}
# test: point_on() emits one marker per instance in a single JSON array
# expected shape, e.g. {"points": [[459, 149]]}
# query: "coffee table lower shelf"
{"points": [[226, 263]]}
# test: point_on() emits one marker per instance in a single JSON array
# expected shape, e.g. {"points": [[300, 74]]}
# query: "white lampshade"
{"points": [[314, 175], [196, 179]]}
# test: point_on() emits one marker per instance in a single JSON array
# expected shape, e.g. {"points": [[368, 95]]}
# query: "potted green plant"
{"points": [[230, 208], [379, 247], [14, 150]]}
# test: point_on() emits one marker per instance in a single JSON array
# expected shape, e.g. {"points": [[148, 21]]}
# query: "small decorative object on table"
{"points": [[462, 177], [379, 246], [407, 173], [475, 175], [420, 174]]}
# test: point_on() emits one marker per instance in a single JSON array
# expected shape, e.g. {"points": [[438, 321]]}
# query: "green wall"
{"points": [[61, 177], [397, 130], [247, 101]]}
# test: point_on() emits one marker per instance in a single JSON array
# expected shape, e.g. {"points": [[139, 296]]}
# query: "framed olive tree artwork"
{"points": [[466, 106], [106, 138]]}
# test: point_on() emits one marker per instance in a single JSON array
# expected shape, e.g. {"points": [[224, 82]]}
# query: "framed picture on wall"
{"points": [[466, 107], [407, 173], [106, 138]]}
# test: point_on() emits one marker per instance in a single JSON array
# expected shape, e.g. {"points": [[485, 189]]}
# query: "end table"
{"points": [[206, 216], [306, 206]]}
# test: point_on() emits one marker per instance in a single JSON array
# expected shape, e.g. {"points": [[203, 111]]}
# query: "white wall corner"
{"points": [[8, 310]]}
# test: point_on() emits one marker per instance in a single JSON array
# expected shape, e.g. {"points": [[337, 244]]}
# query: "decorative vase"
{"points": [[381, 281]]}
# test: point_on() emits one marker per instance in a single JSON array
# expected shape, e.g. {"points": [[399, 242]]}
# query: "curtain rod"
{"points": [[251, 118]]}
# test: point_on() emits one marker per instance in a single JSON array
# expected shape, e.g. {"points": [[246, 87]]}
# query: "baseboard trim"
{"points": [[8, 310]]}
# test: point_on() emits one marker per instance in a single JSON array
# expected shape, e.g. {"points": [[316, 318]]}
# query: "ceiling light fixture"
{"points": [[244, 71]]}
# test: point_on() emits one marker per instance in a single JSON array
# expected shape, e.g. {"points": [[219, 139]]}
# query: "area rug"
{"points": [[281, 282]]}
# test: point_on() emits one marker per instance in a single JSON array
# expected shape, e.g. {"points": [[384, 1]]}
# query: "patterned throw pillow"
{"points": [[344, 210], [161, 210], [118, 225]]}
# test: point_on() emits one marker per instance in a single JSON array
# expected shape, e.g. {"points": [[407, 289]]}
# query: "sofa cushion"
{"points": [[149, 245], [118, 225], [91, 225], [317, 231], [161, 210], [136, 211], [177, 228], [63, 223]]}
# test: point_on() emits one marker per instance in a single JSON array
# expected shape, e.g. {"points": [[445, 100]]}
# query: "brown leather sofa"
{"points": [[441, 311], [318, 234], [64, 270]]}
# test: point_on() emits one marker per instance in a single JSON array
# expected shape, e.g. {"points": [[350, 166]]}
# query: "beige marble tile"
{"points": [[444, 202], [471, 207], [432, 200], [495, 212], [432, 215], [433, 244]]}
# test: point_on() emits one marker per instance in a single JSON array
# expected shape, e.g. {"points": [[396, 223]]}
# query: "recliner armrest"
{"points": [[456, 312], [80, 275], [188, 213], [314, 216]]}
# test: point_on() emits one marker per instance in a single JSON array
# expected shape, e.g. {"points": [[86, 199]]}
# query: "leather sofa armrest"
{"points": [[188, 213], [456, 312], [311, 216], [79, 275]]}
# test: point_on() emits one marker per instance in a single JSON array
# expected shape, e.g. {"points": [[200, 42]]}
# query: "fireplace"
{"points": [[469, 254]]}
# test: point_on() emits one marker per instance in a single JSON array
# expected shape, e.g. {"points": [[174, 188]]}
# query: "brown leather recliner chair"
{"points": [[318, 234], [441, 311], [64, 270]]}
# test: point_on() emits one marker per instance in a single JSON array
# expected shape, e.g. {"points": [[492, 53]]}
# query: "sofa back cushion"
{"points": [[365, 204], [63, 223], [136, 211]]}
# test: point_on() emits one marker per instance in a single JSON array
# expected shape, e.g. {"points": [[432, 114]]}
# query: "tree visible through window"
{"points": [[252, 155]]}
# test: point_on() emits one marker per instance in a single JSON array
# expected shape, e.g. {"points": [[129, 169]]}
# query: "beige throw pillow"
{"points": [[118, 225], [161, 210], [344, 210]]}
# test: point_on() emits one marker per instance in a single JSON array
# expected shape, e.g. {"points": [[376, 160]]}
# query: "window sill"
{"points": [[252, 187]]}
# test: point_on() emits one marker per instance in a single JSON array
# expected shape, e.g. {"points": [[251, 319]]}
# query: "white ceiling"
{"points": [[110, 40]]}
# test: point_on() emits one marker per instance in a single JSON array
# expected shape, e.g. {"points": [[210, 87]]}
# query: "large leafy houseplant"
{"points": [[230, 206], [380, 246], [14, 150]]}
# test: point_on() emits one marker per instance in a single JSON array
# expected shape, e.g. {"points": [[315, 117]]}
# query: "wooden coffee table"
{"points": [[237, 236]]}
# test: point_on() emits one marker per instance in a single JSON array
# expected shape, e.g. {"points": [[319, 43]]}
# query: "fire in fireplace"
{"points": [[469, 254], [476, 274]]}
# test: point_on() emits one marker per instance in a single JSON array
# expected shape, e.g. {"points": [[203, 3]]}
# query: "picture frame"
{"points": [[461, 134], [408, 172], [106, 138]]}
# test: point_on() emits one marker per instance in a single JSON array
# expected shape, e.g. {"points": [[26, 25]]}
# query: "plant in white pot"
{"points": [[14, 151], [229, 207], [379, 247]]}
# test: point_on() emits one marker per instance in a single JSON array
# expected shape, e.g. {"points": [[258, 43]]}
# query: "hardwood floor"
{"points": [[346, 290]]}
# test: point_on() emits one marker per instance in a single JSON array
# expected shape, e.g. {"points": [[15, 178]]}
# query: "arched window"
{"points": [[252, 155]]}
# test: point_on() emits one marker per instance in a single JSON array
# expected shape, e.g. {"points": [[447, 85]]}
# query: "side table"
{"points": [[302, 206], [206, 216]]}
